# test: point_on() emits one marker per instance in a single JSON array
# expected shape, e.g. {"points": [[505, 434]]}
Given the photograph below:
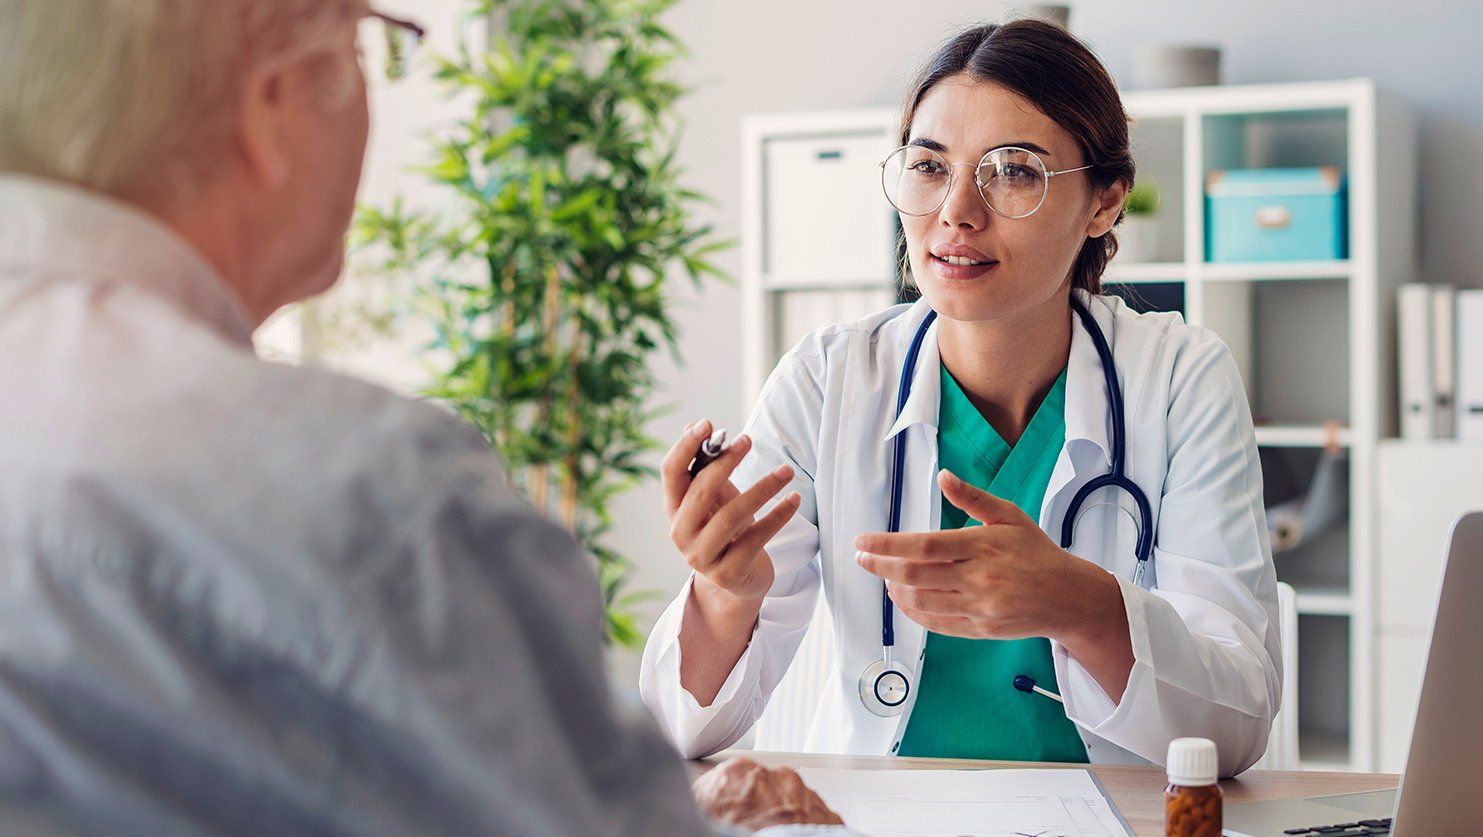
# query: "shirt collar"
{"points": [[60, 229], [1087, 418]]}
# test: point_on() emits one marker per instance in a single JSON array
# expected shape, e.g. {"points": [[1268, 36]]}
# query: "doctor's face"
{"points": [[1014, 264]]}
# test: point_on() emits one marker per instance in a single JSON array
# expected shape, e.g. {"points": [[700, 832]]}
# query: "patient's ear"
{"points": [[262, 137]]}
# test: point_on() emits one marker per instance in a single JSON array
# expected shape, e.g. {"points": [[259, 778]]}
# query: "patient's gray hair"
{"points": [[138, 98]]}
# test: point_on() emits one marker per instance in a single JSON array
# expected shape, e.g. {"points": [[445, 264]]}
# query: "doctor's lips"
{"points": [[961, 254], [959, 261]]}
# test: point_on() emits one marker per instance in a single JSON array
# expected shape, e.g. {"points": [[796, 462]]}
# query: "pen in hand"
{"points": [[710, 450]]}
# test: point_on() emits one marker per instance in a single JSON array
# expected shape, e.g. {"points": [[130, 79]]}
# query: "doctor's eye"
{"points": [[1015, 173]]}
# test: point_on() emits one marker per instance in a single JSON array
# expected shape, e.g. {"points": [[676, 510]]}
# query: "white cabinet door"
{"points": [[1398, 691], [827, 218], [1423, 488]]}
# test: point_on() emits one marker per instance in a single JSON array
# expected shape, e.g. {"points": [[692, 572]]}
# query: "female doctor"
{"points": [[1035, 515]]}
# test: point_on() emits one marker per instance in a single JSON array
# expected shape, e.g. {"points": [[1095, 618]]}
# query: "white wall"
{"points": [[772, 56]]}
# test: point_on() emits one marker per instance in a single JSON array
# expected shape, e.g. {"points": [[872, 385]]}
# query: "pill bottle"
{"points": [[1192, 804]]}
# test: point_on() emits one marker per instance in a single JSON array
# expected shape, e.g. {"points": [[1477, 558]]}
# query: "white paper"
{"points": [[981, 803]]}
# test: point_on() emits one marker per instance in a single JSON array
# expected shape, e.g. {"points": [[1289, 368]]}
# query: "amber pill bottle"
{"points": [[1192, 800]]}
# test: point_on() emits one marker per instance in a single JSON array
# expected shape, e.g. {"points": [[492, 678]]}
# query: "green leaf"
{"points": [[497, 147], [614, 238], [577, 206]]}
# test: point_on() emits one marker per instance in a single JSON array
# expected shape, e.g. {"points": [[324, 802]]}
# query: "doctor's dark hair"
{"points": [[1052, 68]]}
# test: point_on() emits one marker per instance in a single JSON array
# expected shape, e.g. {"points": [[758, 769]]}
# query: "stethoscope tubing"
{"points": [[1116, 478], [903, 391]]}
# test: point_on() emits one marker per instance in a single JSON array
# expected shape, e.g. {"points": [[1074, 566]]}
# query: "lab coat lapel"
{"points": [[922, 402], [1088, 449]]}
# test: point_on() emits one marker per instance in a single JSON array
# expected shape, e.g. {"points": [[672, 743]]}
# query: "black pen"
{"points": [[710, 450]]}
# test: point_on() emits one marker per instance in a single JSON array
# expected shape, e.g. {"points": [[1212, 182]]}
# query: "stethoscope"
{"points": [[886, 683]]}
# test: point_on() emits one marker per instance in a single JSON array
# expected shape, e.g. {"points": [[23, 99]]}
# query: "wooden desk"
{"points": [[1138, 792]]}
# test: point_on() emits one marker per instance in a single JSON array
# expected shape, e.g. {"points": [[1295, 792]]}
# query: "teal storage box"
{"points": [[1256, 215]]}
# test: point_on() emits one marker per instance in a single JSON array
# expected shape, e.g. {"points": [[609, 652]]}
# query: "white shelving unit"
{"points": [[1314, 339]]}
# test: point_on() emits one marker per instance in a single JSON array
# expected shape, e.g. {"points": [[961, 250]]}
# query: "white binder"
{"points": [[1444, 359], [1470, 365], [1414, 319]]}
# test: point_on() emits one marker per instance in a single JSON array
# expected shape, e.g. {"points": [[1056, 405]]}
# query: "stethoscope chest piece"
{"points": [[884, 690]]}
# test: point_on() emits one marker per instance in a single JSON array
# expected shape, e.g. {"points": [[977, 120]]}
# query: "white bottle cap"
{"points": [[1193, 762]]}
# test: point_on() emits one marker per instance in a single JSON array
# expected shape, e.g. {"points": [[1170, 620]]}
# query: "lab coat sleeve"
{"points": [[1205, 640], [784, 429]]}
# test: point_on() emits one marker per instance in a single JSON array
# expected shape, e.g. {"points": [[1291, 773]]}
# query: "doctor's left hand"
{"points": [[1005, 579]]}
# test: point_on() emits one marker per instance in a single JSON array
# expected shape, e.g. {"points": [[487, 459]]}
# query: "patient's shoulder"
{"points": [[349, 434]]}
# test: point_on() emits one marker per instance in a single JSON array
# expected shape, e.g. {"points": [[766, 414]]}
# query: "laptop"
{"points": [[1441, 788]]}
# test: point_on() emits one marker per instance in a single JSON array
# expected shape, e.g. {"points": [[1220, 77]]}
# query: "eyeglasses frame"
{"points": [[977, 167], [418, 33]]}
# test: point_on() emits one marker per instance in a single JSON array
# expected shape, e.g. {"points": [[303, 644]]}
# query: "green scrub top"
{"points": [[967, 706]]}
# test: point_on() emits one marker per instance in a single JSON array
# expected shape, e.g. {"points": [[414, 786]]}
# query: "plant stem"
{"points": [[572, 471], [507, 330], [550, 316]]}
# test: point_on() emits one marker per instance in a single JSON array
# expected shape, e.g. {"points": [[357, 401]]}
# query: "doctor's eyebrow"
{"points": [[934, 145]]}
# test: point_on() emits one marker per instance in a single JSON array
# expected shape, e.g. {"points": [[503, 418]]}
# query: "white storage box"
{"points": [[826, 218]]}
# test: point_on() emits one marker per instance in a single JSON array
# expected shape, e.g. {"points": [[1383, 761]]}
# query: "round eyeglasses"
{"points": [[1012, 181]]}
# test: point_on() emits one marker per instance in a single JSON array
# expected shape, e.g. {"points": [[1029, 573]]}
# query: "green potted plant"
{"points": [[1138, 234], [545, 284]]}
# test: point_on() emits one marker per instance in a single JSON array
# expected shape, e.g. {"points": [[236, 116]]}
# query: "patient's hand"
{"points": [[743, 792]]}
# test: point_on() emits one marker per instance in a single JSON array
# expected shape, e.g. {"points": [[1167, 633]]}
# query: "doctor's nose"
{"points": [[964, 206]]}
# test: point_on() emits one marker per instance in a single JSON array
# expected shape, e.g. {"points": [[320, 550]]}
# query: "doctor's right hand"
{"points": [[714, 525]]}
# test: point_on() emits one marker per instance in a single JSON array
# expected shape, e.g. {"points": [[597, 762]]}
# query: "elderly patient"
{"points": [[237, 596]]}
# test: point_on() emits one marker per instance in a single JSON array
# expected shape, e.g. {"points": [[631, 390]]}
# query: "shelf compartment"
{"points": [[1323, 692], [1149, 296], [1289, 139], [1319, 561], [1290, 339], [1157, 145], [1318, 569]]}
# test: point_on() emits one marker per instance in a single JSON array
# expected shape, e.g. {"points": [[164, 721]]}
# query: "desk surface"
{"points": [[1138, 792]]}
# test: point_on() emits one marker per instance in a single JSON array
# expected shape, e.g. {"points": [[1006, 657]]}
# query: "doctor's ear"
{"points": [[1108, 203]]}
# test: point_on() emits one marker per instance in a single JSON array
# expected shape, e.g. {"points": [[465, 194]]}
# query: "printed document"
{"points": [[981, 803]]}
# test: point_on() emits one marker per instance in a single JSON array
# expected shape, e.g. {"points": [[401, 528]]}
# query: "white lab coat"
{"points": [[1203, 625]]}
